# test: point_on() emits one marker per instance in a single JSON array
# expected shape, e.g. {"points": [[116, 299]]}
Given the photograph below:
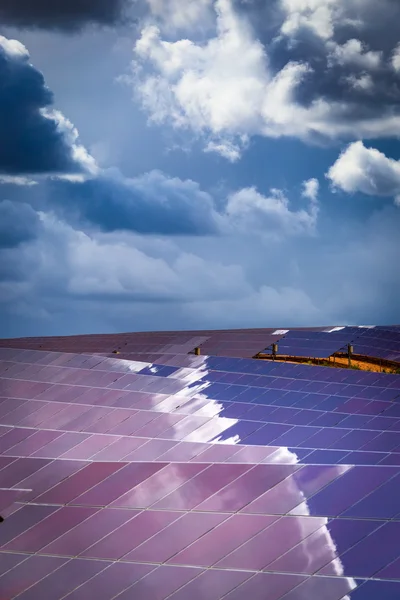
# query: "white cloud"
{"points": [[396, 59], [362, 82], [112, 265], [250, 211], [366, 170], [14, 48], [155, 204], [317, 15], [66, 279], [324, 17], [227, 149], [218, 86], [224, 90], [310, 189], [113, 275], [70, 133], [353, 52], [175, 14], [17, 180]]}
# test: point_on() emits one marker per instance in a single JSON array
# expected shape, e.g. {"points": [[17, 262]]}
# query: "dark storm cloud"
{"points": [[18, 223], [69, 15], [265, 17], [35, 142], [150, 204], [31, 140], [374, 24]]}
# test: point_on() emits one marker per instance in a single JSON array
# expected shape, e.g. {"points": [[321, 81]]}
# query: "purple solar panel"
{"points": [[156, 473]]}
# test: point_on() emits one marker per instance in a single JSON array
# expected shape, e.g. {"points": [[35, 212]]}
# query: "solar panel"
{"points": [[178, 476]]}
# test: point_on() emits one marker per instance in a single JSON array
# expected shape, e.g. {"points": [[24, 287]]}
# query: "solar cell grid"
{"points": [[338, 413], [243, 430]]}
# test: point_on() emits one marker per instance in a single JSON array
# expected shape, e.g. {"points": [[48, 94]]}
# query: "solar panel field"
{"points": [[158, 474]]}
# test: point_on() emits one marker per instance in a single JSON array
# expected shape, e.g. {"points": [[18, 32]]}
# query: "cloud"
{"points": [[396, 58], [309, 70], [214, 87], [366, 170], [17, 180], [353, 52], [175, 14], [69, 16], [35, 139], [226, 148], [249, 211], [19, 223], [70, 279], [363, 83], [310, 189], [89, 264], [316, 15], [151, 203], [74, 187], [112, 280], [221, 89], [341, 19], [74, 15], [155, 203], [263, 307]]}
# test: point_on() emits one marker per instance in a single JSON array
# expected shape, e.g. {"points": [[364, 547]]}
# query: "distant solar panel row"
{"points": [[382, 344]]}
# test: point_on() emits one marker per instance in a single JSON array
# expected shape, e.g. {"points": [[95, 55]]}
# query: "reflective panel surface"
{"points": [[157, 473]]}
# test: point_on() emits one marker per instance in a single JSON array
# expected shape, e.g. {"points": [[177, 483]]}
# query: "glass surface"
{"points": [[110, 582], [363, 560], [225, 538], [175, 538], [159, 484], [274, 586], [19, 470], [50, 475], [117, 484], [305, 484], [129, 535], [60, 445], [199, 488], [27, 573], [21, 521], [94, 528], [247, 488], [76, 484], [118, 449], [211, 585], [89, 447], [160, 583], [35, 442], [13, 437], [8, 561], [342, 493], [49, 529], [65, 579]]}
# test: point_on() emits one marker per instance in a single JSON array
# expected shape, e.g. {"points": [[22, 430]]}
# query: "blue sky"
{"points": [[213, 163]]}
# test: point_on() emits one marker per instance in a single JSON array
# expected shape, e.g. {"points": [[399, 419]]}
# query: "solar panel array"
{"points": [[318, 342], [315, 344], [379, 342], [374, 342], [175, 476], [232, 342]]}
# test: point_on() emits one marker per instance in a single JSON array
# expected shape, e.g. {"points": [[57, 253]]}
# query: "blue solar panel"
{"points": [[280, 477]]}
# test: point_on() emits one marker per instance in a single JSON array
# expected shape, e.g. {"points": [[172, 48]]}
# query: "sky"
{"points": [[199, 164]]}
